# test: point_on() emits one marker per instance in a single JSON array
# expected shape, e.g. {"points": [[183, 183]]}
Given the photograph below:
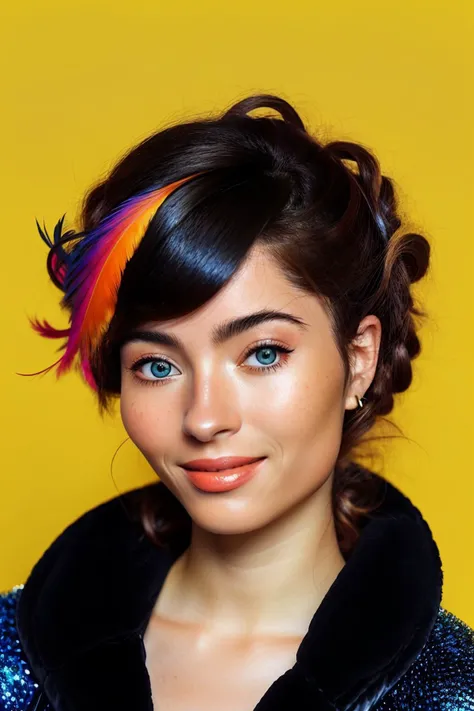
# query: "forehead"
{"points": [[259, 277]]}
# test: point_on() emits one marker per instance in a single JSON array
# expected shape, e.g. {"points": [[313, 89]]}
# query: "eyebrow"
{"points": [[221, 333]]}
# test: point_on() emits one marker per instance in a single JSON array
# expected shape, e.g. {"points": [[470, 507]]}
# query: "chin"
{"points": [[232, 519], [229, 528]]}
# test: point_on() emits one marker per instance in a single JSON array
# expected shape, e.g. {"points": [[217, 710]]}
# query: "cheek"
{"points": [[306, 401], [147, 426]]}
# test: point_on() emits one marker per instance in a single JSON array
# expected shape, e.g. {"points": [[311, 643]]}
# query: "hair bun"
{"points": [[415, 255], [264, 101]]}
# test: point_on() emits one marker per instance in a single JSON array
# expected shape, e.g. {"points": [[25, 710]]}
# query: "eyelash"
{"points": [[259, 346]]}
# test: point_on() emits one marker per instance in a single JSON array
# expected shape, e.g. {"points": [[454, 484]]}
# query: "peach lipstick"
{"points": [[222, 479]]}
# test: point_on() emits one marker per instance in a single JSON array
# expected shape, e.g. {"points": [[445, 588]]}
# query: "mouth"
{"points": [[223, 479], [218, 464]]}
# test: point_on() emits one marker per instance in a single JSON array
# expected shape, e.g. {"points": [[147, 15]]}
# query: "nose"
{"points": [[213, 408]]}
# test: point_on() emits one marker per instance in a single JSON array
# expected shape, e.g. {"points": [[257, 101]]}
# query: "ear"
{"points": [[364, 357]]}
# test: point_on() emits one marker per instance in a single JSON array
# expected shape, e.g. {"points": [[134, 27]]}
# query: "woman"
{"points": [[266, 569]]}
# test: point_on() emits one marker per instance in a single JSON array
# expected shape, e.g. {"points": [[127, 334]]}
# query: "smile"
{"points": [[224, 479]]}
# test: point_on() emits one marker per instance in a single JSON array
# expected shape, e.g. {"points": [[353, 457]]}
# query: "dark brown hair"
{"points": [[323, 210]]}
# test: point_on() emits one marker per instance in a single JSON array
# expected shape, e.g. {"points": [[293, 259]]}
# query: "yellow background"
{"points": [[82, 82]]}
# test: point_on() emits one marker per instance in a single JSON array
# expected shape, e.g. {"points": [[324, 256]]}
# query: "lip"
{"points": [[224, 479], [219, 464]]}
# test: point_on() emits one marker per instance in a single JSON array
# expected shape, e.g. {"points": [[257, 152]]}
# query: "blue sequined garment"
{"points": [[16, 685], [440, 679]]}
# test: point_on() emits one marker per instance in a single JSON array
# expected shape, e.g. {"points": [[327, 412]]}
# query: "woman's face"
{"points": [[208, 399]]}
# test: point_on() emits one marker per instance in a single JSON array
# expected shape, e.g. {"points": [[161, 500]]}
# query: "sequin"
{"points": [[442, 676], [440, 679], [16, 685]]}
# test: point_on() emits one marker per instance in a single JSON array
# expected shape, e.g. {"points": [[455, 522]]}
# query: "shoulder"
{"points": [[442, 677], [17, 687]]}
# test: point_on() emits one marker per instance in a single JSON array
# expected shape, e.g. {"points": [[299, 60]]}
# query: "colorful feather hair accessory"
{"points": [[90, 274]]}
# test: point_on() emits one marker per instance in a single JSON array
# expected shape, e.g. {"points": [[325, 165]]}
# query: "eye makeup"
{"points": [[265, 369]]}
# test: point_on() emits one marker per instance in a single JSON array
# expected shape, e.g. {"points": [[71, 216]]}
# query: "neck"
{"points": [[266, 582]]}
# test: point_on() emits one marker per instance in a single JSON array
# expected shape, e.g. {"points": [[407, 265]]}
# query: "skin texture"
{"points": [[235, 606]]}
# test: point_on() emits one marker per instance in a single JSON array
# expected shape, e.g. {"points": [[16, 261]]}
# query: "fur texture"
{"points": [[87, 602]]}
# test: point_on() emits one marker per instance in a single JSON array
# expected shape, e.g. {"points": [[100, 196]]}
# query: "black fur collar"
{"points": [[88, 601]]}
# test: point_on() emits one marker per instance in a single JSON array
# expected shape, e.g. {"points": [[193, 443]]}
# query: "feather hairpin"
{"points": [[90, 274]]}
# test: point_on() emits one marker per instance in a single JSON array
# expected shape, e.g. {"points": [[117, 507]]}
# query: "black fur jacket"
{"points": [[72, 637]]}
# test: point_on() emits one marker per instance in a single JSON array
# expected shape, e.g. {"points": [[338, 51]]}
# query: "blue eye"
{"points": [[158, 369], [268, 354], [266, 349]]}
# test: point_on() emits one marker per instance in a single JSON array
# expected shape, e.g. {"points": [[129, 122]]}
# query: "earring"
{"points": [[359, 401]]}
